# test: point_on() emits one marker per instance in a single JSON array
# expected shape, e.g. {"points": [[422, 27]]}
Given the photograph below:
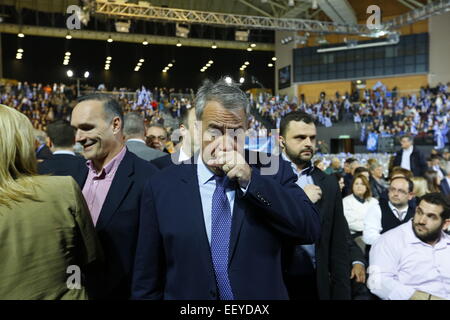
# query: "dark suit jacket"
{"points": [[333, 262], [166, 161], [173, 258], [65, 165], [445, 188], [44, 153], [418, 162], [118, 224]]}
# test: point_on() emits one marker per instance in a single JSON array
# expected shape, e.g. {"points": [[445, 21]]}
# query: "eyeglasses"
{"points": [[400, 191]]}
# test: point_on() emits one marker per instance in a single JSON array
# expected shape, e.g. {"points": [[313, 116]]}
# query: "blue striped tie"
{"points": [[220, 237]]}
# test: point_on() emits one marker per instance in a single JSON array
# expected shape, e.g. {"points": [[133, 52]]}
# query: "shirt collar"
{"points": [[136, 140], [110, 167], [410, 237], [183, 155], [64, 152], [409, 150], [307, 170], [203, 172], [402, 212]]}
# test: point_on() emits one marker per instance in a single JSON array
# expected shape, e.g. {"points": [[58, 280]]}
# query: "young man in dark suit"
{"points": [[215, 229], [63, 161], [323, 270], [112, 188], [410, 158]]}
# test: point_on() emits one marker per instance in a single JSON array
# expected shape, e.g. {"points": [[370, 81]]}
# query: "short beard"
{"points": [[429, 237], [296, 158]]}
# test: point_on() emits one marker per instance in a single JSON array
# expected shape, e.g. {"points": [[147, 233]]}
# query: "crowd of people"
{"points": [[144, 217], [385, 113]]}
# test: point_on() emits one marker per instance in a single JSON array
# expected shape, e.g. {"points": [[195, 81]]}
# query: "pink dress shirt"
{"points": [[97, 184], [400, 263]]}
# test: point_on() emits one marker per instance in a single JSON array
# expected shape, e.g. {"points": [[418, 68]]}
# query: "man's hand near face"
{"points": [[233, 165]]}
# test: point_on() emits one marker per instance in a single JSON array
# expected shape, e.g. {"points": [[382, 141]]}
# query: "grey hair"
{"points": [[375, 165], [111, 106], [229, 95], [133, 124], [40, 136]]}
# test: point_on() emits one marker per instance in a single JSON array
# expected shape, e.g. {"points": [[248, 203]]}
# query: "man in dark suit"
{"points": [[321, 270], [63, 161], [42, 150], [188, 142], [445, 183], [410, 158], [134, 131], [215, 229], [112, 188]]}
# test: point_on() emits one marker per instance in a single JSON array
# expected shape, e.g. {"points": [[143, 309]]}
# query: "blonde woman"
{"points": [[420, 186], [46, 233]]}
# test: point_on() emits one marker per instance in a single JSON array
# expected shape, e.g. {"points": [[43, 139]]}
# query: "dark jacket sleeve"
{"points": [[356, 254], [284, 205], [422, 163], [149, 260], [340, 255]]}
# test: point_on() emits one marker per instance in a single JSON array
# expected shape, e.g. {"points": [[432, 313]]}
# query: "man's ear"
{"points": [[282, 142], [117, 125], [446, 224]]}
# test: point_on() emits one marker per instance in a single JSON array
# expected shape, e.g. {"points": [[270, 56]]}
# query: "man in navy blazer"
{"points": [[445, 183], [410, 158], [195, 243], [112, 187], [63, 161]]}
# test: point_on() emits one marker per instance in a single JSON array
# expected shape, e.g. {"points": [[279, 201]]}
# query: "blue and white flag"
{"points": [[372, 142]]}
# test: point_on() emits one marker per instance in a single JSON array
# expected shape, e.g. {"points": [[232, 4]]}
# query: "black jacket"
{"points": [[418, 162], [333, 255], [65, 165]]}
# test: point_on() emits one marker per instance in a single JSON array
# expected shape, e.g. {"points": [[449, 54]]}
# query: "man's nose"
{"points": [[79, 136], [226, 143]]}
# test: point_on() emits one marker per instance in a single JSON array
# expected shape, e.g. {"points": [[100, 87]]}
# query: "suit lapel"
{"points": [[118, 190], [193, 206], [319, 181], [236, 224]]}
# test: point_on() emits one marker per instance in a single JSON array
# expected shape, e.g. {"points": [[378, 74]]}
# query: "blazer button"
{"points": [[213, 294]]}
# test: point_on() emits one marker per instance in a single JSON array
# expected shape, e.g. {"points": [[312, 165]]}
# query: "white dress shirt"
{"points": [[406, 158], [355, 212], [400, 264], [137, 140], [372, 222], [64, 152]]}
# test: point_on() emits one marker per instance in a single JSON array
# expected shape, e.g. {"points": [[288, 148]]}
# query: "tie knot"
{"points": [[221, 181]]}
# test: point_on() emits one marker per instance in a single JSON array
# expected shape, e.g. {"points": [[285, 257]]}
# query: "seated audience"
{"points": [[391, 213], [412, 261]]}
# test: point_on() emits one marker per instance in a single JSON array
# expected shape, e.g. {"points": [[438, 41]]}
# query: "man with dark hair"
{"points": [[410, 158], [213, 228], [321, 270], [63, 161], [188, 145], [350, 166], [412, 261], [134, 132], [112, 187], [388, 214]]}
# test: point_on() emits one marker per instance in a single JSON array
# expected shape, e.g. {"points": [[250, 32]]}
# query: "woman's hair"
{"points": [[17, 156], [420, 186], [432, 180], [365, 181]]}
